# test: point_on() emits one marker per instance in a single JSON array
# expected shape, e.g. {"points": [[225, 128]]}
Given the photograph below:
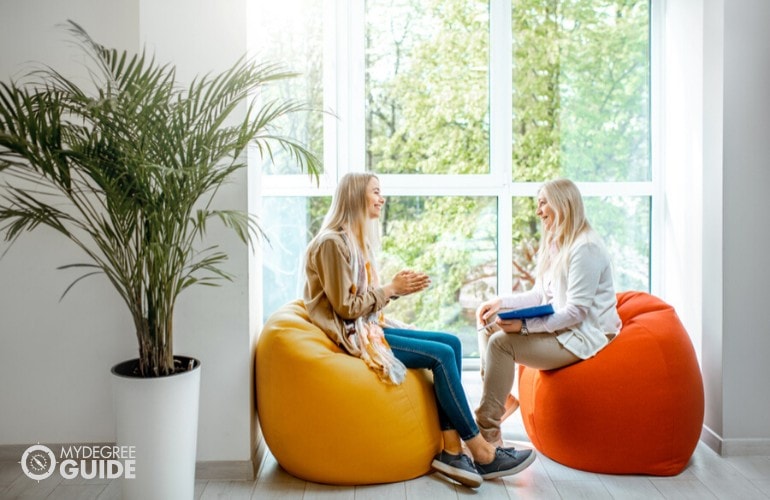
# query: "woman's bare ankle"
{"points": [[486, 457]]}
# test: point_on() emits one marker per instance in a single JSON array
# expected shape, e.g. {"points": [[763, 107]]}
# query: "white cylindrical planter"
{"points": [[158, 417]]}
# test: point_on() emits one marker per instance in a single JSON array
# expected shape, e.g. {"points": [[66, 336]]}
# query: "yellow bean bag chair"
{"points": [[327, 418]]}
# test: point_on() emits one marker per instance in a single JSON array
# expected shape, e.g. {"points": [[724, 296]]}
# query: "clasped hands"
{"points": [[486, 320], [406, 282]]}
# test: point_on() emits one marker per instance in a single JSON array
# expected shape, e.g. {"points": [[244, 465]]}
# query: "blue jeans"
{"points": [[442, 354]]}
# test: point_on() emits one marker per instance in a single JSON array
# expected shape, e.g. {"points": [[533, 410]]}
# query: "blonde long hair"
{"points": [[567, 203], [348, 211]]}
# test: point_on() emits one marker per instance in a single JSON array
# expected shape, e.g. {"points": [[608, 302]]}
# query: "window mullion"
{"points": [[501, 132], [354, 123], [657, 233], [333, 63]]}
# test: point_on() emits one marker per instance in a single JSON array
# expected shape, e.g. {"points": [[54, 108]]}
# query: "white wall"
{"points": [[713, 171], [717, 159], [746, 230], [55, 357]]}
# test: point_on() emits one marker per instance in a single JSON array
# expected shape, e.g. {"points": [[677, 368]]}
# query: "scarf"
{"points": [[365, 337]]}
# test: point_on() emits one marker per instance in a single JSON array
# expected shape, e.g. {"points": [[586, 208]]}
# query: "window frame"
{"points": [[344, 135]]}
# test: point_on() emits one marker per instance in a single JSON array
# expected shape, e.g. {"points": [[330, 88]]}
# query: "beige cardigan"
{"points": [[329, 294]]}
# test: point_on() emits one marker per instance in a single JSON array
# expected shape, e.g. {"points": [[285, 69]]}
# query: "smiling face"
{"points": [[546, 212], [374, 200]]}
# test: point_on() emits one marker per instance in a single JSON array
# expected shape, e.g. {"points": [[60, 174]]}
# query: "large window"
{"points": [[463, 108]]}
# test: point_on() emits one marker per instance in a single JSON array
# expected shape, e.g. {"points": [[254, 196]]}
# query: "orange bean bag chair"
{"points": [[634, 408], [327, 418]]}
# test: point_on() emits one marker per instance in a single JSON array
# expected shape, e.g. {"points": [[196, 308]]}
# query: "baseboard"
{"points": [[232, 470], [711, 439], [224, 470], [734, 447]]}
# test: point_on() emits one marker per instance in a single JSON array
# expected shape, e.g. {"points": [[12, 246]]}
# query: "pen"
{"points": [[485, 327]]}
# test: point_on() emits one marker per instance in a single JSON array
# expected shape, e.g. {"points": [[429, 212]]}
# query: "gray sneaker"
{"points": [[458, 467], [507, 462]]}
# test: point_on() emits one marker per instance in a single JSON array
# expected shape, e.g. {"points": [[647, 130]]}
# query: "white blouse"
{"points": [[589, 311]]}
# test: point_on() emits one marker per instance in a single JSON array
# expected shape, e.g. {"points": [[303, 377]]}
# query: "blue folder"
{"points": [[527, 312]]}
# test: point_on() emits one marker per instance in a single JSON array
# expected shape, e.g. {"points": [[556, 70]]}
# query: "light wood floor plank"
{"points": [[9, 472], [591, 489], [230, 490], [533, 482], [751, 467], [28, 489], [559, 472], [687, 489], [494, 489], [763, 485], [432, 486], [380, 491], [77, 491], [630, 487], [200, 485], [721, 478], [279, 491], [111, 492], [315, 491]]}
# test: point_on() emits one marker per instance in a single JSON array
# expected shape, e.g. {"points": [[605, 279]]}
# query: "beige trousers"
{"points": [[499, 354]]}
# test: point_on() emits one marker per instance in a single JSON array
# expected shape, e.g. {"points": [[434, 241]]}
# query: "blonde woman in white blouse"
{"points": [[574, 274]]}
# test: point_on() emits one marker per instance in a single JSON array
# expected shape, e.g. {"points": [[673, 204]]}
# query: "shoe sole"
{"points": [[466, 478], [509, 472]]}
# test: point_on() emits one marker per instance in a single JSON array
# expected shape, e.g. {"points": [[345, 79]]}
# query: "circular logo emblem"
{"points": [[38, 462]]}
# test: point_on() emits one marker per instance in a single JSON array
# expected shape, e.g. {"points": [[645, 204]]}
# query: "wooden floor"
{"points": [[708, 476]]}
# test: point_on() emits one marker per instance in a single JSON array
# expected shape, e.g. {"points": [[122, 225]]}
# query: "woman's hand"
{"points": [[509, 325], [485, 312], [407, 282], [488, 309]]}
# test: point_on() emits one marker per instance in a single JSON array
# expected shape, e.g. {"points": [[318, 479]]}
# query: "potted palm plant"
{"points": [[127, 169]]}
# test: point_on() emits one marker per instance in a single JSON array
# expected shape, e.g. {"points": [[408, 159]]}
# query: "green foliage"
{"points": [[427, 87], [454, 255], [580, 96], [292, 31], [605, 98], [536, 97], [128, 171]]}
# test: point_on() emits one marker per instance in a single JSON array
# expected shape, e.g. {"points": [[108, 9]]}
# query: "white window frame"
{"points": [[344, 132]]}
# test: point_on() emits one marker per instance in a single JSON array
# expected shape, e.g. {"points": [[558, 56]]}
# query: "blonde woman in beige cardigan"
{"points": [[345, 298]]}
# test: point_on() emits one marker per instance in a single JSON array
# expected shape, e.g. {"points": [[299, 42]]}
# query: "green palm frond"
{"points": [[127, 169]]}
